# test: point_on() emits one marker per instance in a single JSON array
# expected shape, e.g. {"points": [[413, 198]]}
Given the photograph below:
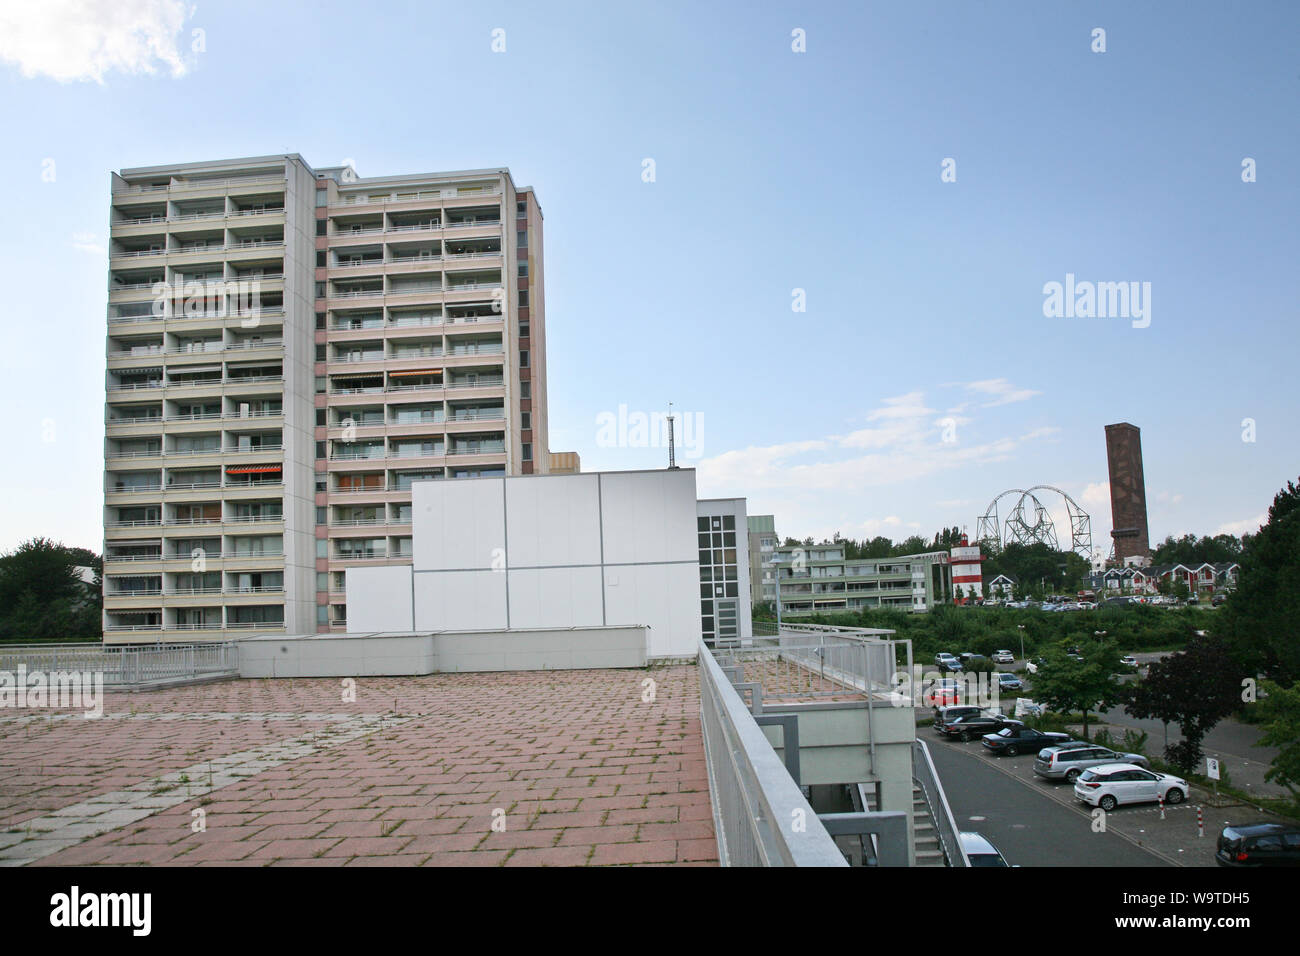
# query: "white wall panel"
{"points": [[649, 516], [458, 524], [379, 599], [552, 521], [465, 600], [555, 597], [663, 596]]}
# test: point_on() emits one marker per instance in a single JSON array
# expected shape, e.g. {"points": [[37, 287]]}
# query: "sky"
{"points": [[824, 232]]}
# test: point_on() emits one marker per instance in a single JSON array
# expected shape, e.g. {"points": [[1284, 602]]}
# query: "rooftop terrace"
{"points": [[528, 768]]}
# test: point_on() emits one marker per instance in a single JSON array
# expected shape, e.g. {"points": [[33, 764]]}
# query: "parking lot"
{"points": [[1037, 822]]}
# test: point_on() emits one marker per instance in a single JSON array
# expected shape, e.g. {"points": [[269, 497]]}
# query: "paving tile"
{"points": [[408, 775]]}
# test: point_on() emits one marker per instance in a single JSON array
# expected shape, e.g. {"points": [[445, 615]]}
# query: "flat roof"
{"points": [[414, 771]]}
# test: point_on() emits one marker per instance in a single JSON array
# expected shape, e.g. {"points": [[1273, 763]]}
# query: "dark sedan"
{"points": [[1259, 844], [970, 727], [1022, 740]]}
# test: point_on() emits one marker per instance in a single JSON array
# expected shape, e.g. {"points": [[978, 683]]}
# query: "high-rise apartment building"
{"points": [[288, 349]]}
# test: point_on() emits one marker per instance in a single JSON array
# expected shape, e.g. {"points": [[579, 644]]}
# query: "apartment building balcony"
{"points": [[177, 188], [404, 197]]}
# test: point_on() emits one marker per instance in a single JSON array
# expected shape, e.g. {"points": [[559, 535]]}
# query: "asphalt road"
{"points": [[1030, 828]]}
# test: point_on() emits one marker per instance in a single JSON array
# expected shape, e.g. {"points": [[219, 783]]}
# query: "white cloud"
{"points": [[1244, 526], [70, 40], [905, 446], [886, 526], [1095, 495], [87, 242], [999, 391]]}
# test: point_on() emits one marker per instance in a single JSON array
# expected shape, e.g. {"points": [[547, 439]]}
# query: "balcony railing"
{"points": [[754, 797]]}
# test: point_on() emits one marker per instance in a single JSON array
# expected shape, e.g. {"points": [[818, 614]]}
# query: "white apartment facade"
{"points": [[288, 349]]}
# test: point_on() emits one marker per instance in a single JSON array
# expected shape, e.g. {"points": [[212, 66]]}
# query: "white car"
{"points": [[1111, 784], [1128, 660], [1003, 657]]}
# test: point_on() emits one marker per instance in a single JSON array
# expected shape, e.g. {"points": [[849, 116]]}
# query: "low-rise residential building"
{"points": [[763, 542], [819, 578], [1203, 578], [1003, 587]]}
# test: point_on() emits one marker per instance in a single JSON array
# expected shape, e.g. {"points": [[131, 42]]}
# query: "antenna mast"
{"points": [[672, 439]]}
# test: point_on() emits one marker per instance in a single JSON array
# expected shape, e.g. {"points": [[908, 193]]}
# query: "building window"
{"points": [[522, 239], [523, 270], [525, 389], [321, 517], [322, 197], [523, 358], [320, 384], [528, 451], [320, 416], [523, 328], [523, 300], [322, 547], [526, 420], [320, 320], [321, 225], [521, 208], [320, 258]]}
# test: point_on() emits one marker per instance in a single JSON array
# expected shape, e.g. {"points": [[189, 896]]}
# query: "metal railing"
{"points": [[127, 665], [936, 801], [755, 800]]}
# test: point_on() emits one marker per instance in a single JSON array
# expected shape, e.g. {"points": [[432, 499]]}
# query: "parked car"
{"points": [[951, 666], [943, 692], [943, 657], [1259, 844], [1003, 657], [1128, 660], [1218, 599], [1020, 739], [971, 726], [1067, 763], [947, 714], [980, 851], [1009, 681], [1111, 784]]}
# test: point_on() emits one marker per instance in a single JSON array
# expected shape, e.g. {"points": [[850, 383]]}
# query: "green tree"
{"points": [[1194, 689], [42, 597], [1065, 684], [1259, 616], [911, 545], [1280, 719]]}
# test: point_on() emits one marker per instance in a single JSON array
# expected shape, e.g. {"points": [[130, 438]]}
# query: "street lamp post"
{"points": [[1021, 628]]}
